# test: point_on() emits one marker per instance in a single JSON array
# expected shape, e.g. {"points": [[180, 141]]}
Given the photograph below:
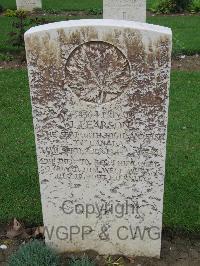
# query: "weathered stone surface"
{"points": [[28, 5], [125, 9], [99, 91]]}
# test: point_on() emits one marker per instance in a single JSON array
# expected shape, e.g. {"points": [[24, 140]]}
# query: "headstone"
{"points": [[28, 5], [99, 91], [125, 9]]}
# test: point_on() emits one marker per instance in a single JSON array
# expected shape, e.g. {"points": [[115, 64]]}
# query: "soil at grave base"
{"points": [[177, 250], [58, 13], [185, 63], [12, 65]]}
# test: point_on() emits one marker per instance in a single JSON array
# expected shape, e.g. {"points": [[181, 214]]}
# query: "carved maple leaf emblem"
{"points": [[97, 72]]}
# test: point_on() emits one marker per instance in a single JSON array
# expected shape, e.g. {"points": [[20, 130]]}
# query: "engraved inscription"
{"points": [[97, 72], [99, 92]]}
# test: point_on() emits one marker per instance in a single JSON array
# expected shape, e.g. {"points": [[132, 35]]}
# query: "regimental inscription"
{"points": [[97, 72]]}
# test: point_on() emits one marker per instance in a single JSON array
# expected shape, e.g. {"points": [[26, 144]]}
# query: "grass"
{"points": [[5, 28], [182, 197], [6, 49], [184, 29], [60, 4], [67, 4], [19, 190]]}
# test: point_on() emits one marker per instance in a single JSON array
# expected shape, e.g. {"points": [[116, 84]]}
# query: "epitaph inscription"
{"points": [[99, 91]]}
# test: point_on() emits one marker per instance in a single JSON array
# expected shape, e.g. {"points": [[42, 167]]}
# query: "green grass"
{"points": [[182, 197], [185, 29], [186, 39], [5, 28], [60, 4], [67, 4], [19, 190]]}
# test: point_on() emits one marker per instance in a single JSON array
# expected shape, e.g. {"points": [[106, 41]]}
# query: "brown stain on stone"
{"points": [[89, 33], [149, 65], [149, 99], [43, 55], [148, 88], [150, 68], [73, 38]]}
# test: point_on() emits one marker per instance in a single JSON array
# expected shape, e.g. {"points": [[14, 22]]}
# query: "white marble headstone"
{"points": [[125, 9], [29, 5], [99, 91]]}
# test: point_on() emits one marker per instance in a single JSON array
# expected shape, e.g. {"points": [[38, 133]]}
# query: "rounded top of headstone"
{"points": [[99, 22]]}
